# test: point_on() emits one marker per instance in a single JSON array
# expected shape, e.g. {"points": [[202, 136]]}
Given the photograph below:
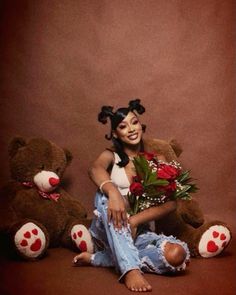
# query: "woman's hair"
{"points": [[115, 118]]}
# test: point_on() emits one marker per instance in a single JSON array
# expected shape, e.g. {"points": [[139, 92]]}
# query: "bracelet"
{"points": [[103, 183]]}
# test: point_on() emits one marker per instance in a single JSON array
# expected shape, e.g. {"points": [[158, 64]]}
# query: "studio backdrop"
{"points": [[62, 60]]}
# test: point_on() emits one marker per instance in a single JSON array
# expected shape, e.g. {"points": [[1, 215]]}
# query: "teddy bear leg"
{"points": [[214, 240], [81, 238], [30, 240]]}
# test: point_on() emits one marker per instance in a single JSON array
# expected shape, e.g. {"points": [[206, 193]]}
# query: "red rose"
{"points": [[161, 173], [171, 186], [136, 188], [167, 189], [166, 171], [148, 156]]}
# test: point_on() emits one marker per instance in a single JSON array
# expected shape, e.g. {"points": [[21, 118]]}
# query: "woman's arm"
{"points": [[151, 214], [116, 205]]}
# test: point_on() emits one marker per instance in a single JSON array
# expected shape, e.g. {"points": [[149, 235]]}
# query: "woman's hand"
{"points": [[116, 210]]}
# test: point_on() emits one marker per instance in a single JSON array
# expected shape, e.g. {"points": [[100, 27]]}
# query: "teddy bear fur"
{"points": [[36, 212], [204, 238]]}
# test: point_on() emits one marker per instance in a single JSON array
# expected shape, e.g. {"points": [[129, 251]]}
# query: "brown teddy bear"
{"points": [[204, 238], [35, 212]]}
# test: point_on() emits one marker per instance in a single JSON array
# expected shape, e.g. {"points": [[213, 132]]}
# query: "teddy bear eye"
{"points": [[42, 167], [58, 170]]}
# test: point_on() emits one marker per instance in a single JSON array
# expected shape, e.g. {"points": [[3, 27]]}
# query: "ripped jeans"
{"points": [[117, 248]]}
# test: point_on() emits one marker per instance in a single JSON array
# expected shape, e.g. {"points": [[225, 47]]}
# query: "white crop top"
{"points": [[119, 176]]}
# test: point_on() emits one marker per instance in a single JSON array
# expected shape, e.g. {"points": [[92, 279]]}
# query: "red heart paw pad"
{"points": [[24, 243], [27, 235], [212, 247], [215, 234], [36, 245], [222, 237], [35, 231], [80, 233], [83, 246]]}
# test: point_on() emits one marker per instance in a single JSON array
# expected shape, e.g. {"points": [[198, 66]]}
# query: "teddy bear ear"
{"points": [[16, 143], [176, 147], [68, 155]]}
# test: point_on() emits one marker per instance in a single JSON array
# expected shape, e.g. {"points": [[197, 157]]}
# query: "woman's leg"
{"points": [[162, 254], [120, 244]]}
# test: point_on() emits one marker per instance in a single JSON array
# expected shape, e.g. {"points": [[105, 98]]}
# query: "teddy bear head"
{"points": [[38, 161]]}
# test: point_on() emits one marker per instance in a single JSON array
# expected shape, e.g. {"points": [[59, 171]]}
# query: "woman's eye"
{"points": [[122, 126], [135, 122]]}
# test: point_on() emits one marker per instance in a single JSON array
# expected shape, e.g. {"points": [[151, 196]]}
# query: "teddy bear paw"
{"points": [[213, 241], [30, 240], [82, 238]]}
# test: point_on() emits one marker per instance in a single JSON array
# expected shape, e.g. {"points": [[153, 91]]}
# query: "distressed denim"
{"points": [[117, 248]]}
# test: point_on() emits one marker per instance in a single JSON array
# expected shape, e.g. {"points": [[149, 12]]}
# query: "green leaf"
{"points": [[193, 188], [182, 195], [183, 177], [141, 166], [136, 206], [183, 190], [158, 182], [151, 177]]}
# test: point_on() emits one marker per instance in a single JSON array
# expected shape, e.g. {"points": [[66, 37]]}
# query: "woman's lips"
{"points": [[133, 136]]}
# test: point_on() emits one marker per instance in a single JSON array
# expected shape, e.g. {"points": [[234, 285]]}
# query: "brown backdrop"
{"points": [[61, 60]]}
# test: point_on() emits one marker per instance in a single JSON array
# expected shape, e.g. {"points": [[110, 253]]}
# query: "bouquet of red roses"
{"points": [[157, 182]]}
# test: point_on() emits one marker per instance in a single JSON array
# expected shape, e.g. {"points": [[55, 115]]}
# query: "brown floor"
{"points": [[55, 275]]}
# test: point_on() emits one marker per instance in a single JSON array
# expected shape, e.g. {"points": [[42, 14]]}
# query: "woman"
{"points": [[112, 230]]}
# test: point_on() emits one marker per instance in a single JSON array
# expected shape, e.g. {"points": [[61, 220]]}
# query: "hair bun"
{"points": [[134, 105], [106, 112]]}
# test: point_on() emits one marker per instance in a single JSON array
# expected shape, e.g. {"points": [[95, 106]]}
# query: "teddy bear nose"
{"points": [[54, 181]]}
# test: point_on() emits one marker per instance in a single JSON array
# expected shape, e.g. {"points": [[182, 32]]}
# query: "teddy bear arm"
{"points": [[74, 207]]}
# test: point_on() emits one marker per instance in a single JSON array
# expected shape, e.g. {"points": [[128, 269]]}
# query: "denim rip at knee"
{"points": [[151, 252]]}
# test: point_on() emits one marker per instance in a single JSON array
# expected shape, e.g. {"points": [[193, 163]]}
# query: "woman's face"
{"points": [[129, 131]]}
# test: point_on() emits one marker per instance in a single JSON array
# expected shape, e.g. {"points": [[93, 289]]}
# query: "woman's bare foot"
{"points": [[135, 281], [83, 258]]}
